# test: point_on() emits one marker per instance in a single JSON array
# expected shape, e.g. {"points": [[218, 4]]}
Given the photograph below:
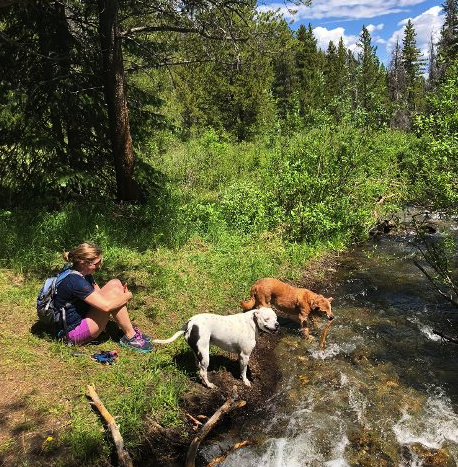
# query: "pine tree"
{"points": [[353, 79], [342, 68], [448, 43], [397, 87], [343, 105], [413, 65], [433, 66], [371, 83], [411, 54], [309, 66], [336, 77], [331, 76]]}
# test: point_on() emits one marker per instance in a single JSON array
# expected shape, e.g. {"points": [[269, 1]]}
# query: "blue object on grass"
{"points": [[106, 357]]}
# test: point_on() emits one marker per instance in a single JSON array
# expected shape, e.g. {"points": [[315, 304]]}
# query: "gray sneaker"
{"points": [[137, 343]]}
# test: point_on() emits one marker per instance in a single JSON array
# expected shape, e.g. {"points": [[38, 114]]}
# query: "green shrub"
{"points": [[247, 208], [328, 182], [436, 166]]}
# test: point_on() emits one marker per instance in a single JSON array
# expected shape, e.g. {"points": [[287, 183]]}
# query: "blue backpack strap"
{"points": [[64, 273], [63, 312]]}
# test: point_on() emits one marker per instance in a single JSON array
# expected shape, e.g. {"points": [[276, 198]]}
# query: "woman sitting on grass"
{"points": [[89, 307]]}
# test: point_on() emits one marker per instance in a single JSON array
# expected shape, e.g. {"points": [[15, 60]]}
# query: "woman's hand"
{"points": [[111, 301]]}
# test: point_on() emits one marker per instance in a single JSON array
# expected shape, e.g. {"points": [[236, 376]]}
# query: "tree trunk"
{"points": [[116, 100]]}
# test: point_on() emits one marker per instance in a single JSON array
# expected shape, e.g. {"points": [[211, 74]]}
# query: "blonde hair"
{"points": [[83, 253]]}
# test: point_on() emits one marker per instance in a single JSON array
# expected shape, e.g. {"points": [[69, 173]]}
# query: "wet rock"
{"points": [[433, 457], [383, 227], [359, 358], [366, 450], [428, 457]]}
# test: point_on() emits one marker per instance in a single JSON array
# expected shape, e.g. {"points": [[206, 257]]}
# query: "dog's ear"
{"points": [[330, 299], [319, 303]]}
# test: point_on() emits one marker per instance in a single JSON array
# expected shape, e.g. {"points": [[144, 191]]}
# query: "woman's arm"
{"points": [[97, 300]]}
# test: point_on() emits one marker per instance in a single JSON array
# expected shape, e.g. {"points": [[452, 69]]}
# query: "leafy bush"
{"points": [[328, 182], [437, 164], [247, 208]]}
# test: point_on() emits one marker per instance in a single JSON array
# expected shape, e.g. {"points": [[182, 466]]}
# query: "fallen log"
{"points": [[123, 455], [231, 403]]}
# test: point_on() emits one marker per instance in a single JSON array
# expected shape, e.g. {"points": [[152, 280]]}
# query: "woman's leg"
{"points": [[98, 319]]}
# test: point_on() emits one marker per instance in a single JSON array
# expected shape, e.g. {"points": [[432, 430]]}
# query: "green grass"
{"points": [[227, 215]]}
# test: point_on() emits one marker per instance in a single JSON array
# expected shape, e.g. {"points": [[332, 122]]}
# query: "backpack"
{"points": [[46, 311]]}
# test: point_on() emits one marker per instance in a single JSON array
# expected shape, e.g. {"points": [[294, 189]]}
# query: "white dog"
{"points": [[234, 333]]}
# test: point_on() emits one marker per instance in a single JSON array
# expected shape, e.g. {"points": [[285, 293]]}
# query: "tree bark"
{"points": [[116, 100]]}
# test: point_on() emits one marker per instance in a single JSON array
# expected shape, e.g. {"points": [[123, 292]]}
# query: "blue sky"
{"points": [[385, 19]]}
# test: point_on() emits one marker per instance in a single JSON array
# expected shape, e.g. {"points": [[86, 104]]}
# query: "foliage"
{"points": [[266, 81], [438, 164], [448, 42], [328, 182]]}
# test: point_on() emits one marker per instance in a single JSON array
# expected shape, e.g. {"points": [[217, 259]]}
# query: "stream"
{"points": [[383, 392]]}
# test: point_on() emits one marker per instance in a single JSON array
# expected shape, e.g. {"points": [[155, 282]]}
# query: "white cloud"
{"points": [[323, 36], [352, 9], [372, 27], [426, 25]]}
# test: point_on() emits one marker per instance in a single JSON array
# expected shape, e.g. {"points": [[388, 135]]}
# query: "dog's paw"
{"points": [[247, 383], [210, 385]]}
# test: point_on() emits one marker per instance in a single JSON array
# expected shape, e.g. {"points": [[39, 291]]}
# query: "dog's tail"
{"points": [[171, 339], [248, 305]]}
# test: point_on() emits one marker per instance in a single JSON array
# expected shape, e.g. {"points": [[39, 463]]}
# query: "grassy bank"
{"points": [[218, 216]]}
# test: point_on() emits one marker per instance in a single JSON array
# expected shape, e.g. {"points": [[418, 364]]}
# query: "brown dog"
{"points": [[292, 300]]}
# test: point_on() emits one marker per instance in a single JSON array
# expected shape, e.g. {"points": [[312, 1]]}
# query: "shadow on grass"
{"points": [[49, 333], [38, 232], [185, 362], [28, 437]]}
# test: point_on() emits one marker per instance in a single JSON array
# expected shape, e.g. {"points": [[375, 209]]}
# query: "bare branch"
{"points": [[123, 456], [449, 297], [165, 28]]}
